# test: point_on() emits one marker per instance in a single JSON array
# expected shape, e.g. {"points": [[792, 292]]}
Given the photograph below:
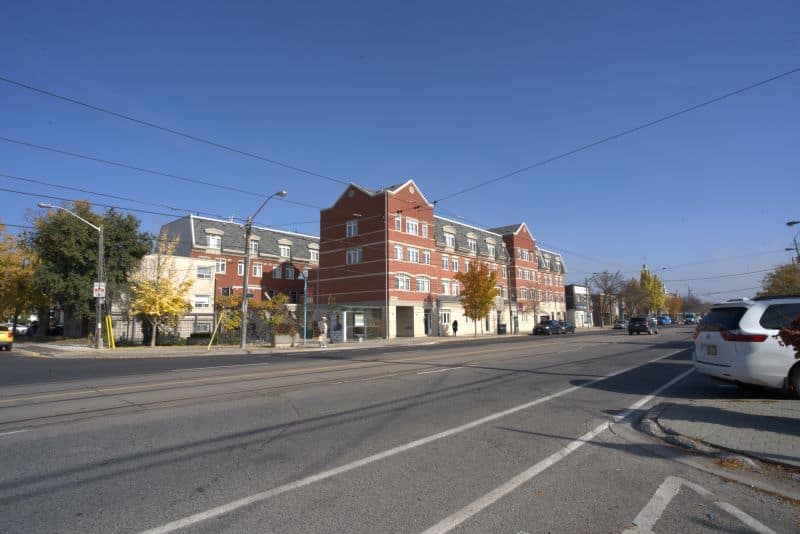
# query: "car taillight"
{"points": [[738, 335]]}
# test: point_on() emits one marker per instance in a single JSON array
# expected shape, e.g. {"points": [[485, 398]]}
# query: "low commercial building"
{"points": [[577, 302]]}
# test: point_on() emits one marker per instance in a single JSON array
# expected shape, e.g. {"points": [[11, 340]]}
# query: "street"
{"points": [[519, 434]]}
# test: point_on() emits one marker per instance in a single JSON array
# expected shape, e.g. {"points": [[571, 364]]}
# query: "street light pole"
{"points": [[794, 240], [248, 233], [98, 305]]}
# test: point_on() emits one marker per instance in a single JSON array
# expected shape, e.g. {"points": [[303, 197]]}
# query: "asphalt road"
{"points": [[515, 435]]}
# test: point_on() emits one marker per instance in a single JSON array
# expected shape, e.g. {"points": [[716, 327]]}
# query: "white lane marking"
{"points": [[452, 521], [440, 370], [323, 475], [14, 432], [217, 367], [651, 513]]}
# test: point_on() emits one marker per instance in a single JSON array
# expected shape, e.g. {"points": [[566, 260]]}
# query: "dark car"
{"points": [[640, 325], [548, 328], [569, 328]]}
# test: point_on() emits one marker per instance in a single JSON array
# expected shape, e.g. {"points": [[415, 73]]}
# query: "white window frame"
{"points": [[253, 246], [354, 255], [214, 241], [258, 270], [423, 284], [402, 282], [424, 230], [445, 316], [351, 228], [398, 223], [455, 264], [398, 252], [205, 272], [413, 255], [285, 251], [445, 287], [277, 272], [426, 257], [492, 250], [220, 263], [289, 273], [450, 240], [240, 268], [472, 244], [455, 288], [202, 301], [466, 266], [445, 263], [313, 254], [412, 226], [523, 294]]}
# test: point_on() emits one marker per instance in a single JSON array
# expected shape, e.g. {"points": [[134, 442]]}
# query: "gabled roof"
{"points": [[396, 188], [507, 230]]}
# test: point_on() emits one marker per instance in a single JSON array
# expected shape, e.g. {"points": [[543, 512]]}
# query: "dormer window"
{"points": [[214, 241], [450, 240], [285, 251], [253, 247], [472, 244]]}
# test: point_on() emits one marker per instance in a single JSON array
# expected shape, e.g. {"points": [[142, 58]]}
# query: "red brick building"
{"points": [[277, 257], [388, 264]]}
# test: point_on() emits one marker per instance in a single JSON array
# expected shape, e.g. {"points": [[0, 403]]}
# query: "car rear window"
{"points": [[719, 319], [779, 316], [3, 328], [638, 320]]}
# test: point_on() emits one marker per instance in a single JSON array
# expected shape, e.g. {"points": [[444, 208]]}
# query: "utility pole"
{"points": [[248, 233], [794, 240]]}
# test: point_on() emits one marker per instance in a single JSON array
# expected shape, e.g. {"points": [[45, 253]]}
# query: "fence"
{"points": [[130, 329]]}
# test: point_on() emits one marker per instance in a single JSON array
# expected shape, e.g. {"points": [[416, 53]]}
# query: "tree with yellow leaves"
{"points": [[158, 293], [18, 292], [479, 292]]}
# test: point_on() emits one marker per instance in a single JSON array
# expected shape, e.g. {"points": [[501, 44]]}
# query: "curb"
{"points": [[728, 457]]}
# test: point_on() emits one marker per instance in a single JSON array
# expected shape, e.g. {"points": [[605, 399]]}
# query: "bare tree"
{"points": [[634, 296], [607, 286]]}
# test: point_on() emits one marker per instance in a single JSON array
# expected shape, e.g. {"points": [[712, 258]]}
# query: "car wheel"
{"points": [[794, 380]]}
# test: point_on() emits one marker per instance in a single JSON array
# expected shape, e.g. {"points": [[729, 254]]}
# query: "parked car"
{"points": [[737, 342], [548, 328], [664, 320], [622, 324], [20, 330], [639, 325], [569, 328], [689, 318], [6, 337]]}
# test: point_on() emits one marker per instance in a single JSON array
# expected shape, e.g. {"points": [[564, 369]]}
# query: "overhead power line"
{"points": [[731, 275], [619, 134], [150, 171], [179, 133]]}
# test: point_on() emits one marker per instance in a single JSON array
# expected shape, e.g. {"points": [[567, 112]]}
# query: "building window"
{"points": [[424, 230], [423, 284], [523, 294], [413, 255], [202, 301], [456, 288], [412, 227], [455, 264], [351, 228], [313, 254], [220, 266], [444, 316], [450, 240], [289, 272], [253, 247], [285, 251], [202, 328], [205, 273], [473, 245], [445, 263], [240, 268], [527, 274], [466, 266], [426, 257], [492, 250], [505, 272], [398, 252], [402, 281], [214, 241], [398, 223], [354, 255], [276, 272], [445, 287], [258, 270]]}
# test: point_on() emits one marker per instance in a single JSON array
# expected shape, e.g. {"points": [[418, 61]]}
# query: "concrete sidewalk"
{"points": [[765, 428]]}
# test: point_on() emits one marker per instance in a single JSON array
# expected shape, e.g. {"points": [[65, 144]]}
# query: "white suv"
{"points": [[737, 341]]}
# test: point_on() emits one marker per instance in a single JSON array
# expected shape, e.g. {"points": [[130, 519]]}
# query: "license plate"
{"points": [[711, 350]]}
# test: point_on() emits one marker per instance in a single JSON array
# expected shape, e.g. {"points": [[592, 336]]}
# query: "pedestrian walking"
{"points": [[455, 327], [323, 332]]}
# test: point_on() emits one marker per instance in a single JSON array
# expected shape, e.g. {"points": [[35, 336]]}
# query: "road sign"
{"points": [[99, 290]]}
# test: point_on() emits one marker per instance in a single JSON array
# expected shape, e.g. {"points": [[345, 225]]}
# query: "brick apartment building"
{"points": [[387, 267], [277, 257]]}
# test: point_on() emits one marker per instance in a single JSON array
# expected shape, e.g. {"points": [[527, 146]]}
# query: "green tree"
{"points": [[784, 280], [158, 294], [67, 249], [654, 288], [479, 292]]}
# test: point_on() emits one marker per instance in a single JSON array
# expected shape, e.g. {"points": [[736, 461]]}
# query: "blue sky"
{"points": [[447, 93]]}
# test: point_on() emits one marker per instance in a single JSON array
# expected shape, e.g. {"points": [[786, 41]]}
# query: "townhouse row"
{"points": [[384, 265]]}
